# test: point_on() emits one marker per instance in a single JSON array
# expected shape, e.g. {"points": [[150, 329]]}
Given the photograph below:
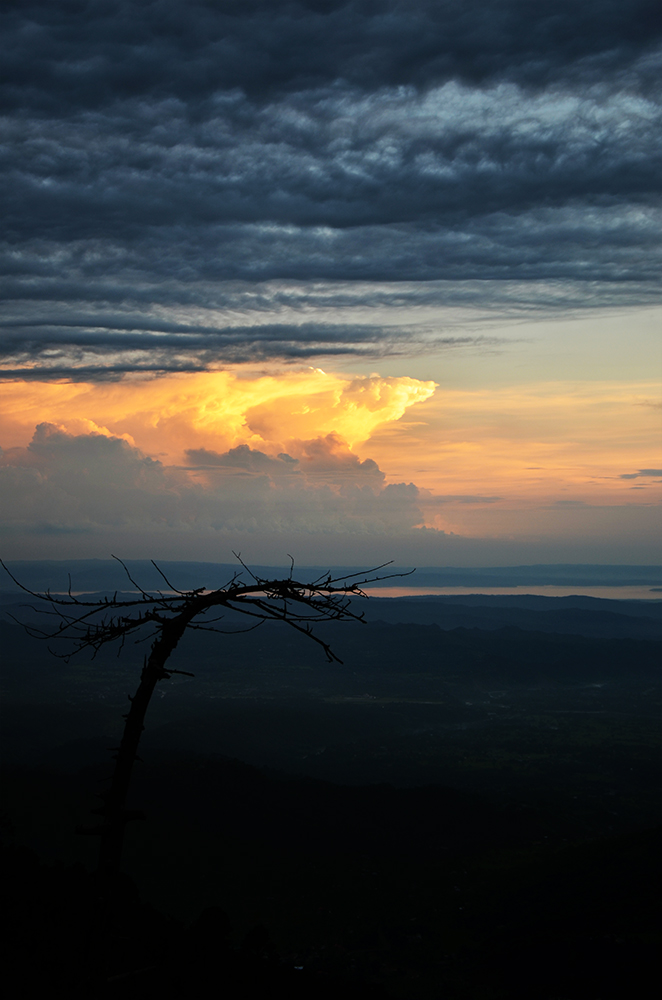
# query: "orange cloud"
{"points": [[315, 452], [218, 410]]}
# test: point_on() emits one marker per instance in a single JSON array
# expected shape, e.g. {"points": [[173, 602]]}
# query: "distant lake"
{"points": [[551, 590]]}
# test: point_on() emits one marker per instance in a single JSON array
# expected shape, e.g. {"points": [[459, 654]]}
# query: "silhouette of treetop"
{"points": [[166, 615], [91, 624]]}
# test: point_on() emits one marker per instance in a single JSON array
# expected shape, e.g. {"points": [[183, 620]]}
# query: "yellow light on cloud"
{"points": [[216, 410]]}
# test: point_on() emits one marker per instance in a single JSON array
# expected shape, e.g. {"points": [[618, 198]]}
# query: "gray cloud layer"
{"points": [[67, 490], [154, 154], [90, 52], [83, 483]]}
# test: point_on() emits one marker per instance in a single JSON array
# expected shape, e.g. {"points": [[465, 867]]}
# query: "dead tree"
{"points": [[167, 615]]}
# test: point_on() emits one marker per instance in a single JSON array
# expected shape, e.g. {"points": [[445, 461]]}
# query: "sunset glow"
{"points": [[531, 442], [219, 410], [403, 296], [542, 460]]}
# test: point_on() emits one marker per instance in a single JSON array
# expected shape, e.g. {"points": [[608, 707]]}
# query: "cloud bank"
{"points": [[89, 482], [76, 494], [193, 185]]}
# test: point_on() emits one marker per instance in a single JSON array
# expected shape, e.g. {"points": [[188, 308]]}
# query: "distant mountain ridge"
{"points": [[586, 616], [107, 574]]}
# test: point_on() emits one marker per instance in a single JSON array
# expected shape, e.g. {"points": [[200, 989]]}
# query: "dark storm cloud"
{"points": [[91, 53], [330, 162], [156, 153], [134, 343]]}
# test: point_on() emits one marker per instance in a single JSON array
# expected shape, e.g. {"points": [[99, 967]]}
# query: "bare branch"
{"points": [[226, 631], [135, 584], [165, 617], [237, 556]]}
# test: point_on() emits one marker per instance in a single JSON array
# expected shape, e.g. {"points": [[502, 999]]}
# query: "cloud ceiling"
{"points": [[187, 185]]}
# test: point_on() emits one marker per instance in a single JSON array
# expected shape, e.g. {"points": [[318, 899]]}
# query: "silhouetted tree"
{"points": [[91, 624]]}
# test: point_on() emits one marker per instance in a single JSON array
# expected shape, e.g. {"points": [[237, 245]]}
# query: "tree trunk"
{"points": [[113, 811]]}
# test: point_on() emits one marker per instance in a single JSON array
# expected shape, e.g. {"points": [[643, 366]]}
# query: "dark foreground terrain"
{"points": [[468, 807]]}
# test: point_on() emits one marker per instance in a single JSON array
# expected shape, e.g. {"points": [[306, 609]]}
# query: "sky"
{"points": [[355, 281]]}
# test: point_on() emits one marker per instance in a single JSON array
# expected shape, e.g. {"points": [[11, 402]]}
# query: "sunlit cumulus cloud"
{"points": [[222, 466], [337, 468], [169, 416]]}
